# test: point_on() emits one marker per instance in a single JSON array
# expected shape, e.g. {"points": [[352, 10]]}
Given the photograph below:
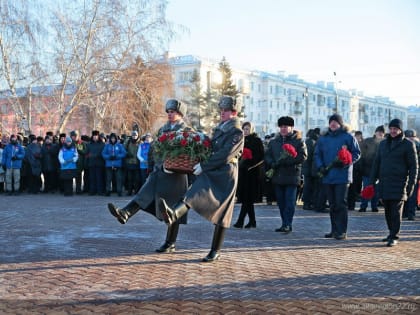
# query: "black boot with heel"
{"points": [[171, 235], [125, 213], [216, 245]]}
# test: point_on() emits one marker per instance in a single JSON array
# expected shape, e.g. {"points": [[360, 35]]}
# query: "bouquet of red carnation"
{"points": [[368, 192], [246, 154], [288, 151], [343, 158]]}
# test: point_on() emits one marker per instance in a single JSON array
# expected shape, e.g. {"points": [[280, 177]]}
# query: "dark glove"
{"points": [[322, 171], [338, 164], [14, 158]]}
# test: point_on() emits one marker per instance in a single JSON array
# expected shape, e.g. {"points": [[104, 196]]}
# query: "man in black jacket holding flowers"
{"points": [[285, 155], [396, 167]]}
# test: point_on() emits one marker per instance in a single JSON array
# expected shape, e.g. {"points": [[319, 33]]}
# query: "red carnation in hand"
{"points": [[368, 192], [246, 154], [345, 156], [172, 135], [185, 134], [197, 138], [207, 143], [290, 150]]}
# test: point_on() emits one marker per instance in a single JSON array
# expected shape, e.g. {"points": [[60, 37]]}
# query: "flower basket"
{"points": [[182, 149], [180, 164]]}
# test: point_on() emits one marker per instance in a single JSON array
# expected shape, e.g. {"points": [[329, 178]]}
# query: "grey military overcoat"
{"points": [[212, 194], [159, 184]]}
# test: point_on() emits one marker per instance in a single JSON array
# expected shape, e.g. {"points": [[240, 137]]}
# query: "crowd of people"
{"points": [[95, 165], [327, 170]]}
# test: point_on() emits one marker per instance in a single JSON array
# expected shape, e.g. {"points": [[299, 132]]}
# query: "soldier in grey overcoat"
{"points": [[212, 194], [160, 183]]}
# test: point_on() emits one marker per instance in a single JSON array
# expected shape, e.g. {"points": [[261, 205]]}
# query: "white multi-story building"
{"points": [[267, 96]]}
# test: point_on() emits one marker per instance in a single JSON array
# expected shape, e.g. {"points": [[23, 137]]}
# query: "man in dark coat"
{"points": [[212, 194], [396, 168], [287, 169], [368, 149], [160, 183]]}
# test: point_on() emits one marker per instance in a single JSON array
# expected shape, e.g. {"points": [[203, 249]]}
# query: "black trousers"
{"points": [[393, 214], [338, 209]]}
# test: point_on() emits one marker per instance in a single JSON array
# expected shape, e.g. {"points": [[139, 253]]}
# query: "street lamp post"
{"points": [[336, 93], [306, 109]]}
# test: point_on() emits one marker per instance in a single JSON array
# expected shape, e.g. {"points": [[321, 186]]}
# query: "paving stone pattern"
{"points": [[68, 255]]}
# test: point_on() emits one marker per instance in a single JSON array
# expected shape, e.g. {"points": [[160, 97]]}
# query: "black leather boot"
{"points": [[240, 222], [216, 245], [125, 213], [170, 216], [171, 235]]}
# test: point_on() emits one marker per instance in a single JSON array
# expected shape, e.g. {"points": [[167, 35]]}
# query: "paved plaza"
{"points": [[68, 255]]}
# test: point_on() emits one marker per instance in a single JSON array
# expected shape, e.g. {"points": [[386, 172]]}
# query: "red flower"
{"points": [[183, 143], [185, 134], [163, 137], [345, 156], [172, 135], [197, 138], [246, 154], [207, 143], [368, 192], [290, 150]]}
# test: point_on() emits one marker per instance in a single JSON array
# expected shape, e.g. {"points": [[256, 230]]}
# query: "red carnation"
{"points": [[207, 143], [163, 137], [290, 150], [345, 156], [197, 138], [183, 143], [172, 135], [185, 134], [246, 154], [368, 192]]}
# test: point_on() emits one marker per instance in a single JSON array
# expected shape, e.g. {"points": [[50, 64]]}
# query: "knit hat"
{"points": [[380, 129], [337, 118], [68, 139], [410, 133], [286, 121], [397, 123]]}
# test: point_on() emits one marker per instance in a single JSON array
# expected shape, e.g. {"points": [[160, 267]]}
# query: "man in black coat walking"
{"points": [[396, 167]]}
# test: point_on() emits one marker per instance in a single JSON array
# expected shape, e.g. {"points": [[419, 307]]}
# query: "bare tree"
{"points": [[95, 43], [19, 60]]}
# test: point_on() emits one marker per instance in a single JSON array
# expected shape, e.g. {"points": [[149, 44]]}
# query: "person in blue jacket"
{"points": [[336, 176], [113, 154], [68, 156], [13, 155]]}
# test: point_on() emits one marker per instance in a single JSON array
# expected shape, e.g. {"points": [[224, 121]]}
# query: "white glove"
{"points": [[197, 169], [167, 171]]}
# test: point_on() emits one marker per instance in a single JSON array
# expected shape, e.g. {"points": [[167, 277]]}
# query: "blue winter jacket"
{"points": [[13, 150], [114, 154], [68, 158], [326, 151]]}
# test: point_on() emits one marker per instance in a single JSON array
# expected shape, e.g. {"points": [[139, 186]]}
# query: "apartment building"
{"points": [[267, 96]]}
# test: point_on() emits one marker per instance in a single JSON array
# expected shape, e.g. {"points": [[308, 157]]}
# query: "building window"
{"points": [[185, 76]]}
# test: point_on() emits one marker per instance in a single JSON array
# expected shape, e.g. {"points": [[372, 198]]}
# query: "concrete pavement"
{"points": [[68, 255]]}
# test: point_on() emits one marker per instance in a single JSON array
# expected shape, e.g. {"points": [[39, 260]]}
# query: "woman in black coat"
{"points": [[249, 182]]}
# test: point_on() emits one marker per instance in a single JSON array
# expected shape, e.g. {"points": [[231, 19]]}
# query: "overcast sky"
{"points": [[372, 45]]}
